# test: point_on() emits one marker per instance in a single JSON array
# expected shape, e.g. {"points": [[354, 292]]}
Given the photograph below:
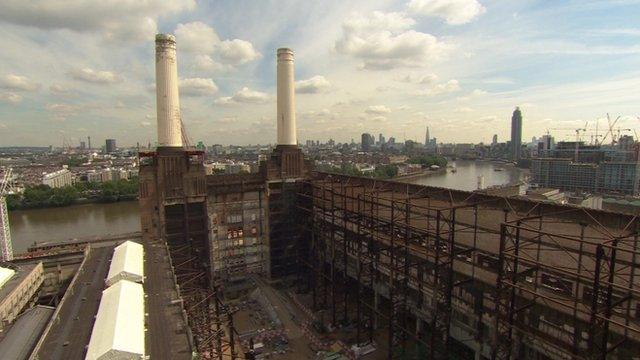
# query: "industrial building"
{"points": [[19, 289], [408, 270]]}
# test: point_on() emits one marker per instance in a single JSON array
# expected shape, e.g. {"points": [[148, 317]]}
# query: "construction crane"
{"points": [[578, 130], [611, 130], [6, 249]]}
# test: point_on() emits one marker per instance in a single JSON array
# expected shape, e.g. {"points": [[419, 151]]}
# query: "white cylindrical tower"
{"points": [[286, 99], [167, 98]]}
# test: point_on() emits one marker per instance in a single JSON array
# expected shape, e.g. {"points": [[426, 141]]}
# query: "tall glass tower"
{"points": [[516, 134]]}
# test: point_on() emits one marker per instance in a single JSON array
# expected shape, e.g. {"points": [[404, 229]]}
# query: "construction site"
{"points": [[293, 263]]}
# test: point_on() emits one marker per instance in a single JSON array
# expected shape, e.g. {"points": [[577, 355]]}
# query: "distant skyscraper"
{"points": [[110, 146], [83, 145], [380, 139], [367, 140], [495, 139], [516, 134], [89, 142], [427, 138]]}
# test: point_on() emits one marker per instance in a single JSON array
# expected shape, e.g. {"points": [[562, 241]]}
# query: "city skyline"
{"points": [[386, 67]]}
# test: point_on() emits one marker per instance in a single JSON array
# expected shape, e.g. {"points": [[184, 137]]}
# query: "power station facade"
{"points": [[435, 273]]}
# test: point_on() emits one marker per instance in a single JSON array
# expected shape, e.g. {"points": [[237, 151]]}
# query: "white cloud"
{"points": [[94, 76], [463, 109], [313, 85], [58, 89], [212, 52], [377, 109], [196, 37], [237, 51], [454, 12], [382, 41], [18, 83], [145, 123], [438, 89], [115, 19], [244, 95], [197, 87], [419, 79], [11, 98]]}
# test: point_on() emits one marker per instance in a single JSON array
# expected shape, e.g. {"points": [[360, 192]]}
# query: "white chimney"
{"points": [[167, 98], [286, 99]]}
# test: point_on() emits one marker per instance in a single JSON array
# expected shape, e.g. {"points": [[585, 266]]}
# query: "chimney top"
{"points": [[165, 38]]}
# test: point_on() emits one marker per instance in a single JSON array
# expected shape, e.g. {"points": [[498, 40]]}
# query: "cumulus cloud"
{"points": [[116, 19], [212, 53], [197, 87], [313, 85], [438, 89], [454, 12], [384, 41], [94, 76], [237, 51], [377, 109], [419, 79], [61, 111], [196, 37], [58, 89], [244, 96], [18, 83], [11, 98]]}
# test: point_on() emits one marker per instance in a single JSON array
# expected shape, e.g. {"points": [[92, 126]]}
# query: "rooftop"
{"points": [[13, 281], [21, 337]]}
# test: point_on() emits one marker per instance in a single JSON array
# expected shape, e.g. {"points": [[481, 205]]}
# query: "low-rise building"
{"points": [[58, 179], [19, 287]]}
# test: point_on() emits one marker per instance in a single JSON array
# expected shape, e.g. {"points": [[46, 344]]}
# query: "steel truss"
{"points": [[400, 253], [394, 245], [596, 272]]}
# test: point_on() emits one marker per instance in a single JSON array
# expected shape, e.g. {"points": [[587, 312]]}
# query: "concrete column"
{"points": [[167, 97], [286, 99]]}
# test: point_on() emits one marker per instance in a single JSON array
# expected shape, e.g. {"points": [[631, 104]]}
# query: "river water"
{"points": [[467, 172], [78, 221]]}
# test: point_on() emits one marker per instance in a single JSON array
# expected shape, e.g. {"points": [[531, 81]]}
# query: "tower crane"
{"points": [[611, 130], [578, 130], [6, 249]]}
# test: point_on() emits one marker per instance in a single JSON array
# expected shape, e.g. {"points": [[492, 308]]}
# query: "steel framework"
{"points": [[497, 268]]}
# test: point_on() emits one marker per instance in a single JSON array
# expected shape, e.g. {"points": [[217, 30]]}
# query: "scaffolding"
{"points": [[418, 261]]}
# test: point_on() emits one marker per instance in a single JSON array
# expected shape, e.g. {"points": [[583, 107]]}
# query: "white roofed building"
{"points": [[5, 275], [118, 332], [127, 263]]}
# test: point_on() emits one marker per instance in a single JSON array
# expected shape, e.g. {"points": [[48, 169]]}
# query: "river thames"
{"points": [[59, 224]]}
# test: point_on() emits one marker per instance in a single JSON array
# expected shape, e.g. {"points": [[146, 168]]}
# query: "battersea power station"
{"points": [[355, 267]]}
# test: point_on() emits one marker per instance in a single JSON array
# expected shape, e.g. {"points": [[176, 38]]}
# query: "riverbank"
{"points": [[423, 173]]}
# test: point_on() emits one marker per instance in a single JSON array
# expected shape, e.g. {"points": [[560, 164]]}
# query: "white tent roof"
{"points": [[5, 275], [127, 263], [118, 332]]}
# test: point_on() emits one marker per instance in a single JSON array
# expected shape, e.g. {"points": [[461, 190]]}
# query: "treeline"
{"points": [[428, 160], [41, 196]]}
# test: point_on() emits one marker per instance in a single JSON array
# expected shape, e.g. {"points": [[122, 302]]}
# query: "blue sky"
{"points": [[72, 68]]}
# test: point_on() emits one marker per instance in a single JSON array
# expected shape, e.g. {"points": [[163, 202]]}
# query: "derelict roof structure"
{"points": [[5, 275], [127, 263], [118, 332]]}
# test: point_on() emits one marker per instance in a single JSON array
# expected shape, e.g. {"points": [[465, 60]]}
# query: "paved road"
{"points": [[69, 336]]}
